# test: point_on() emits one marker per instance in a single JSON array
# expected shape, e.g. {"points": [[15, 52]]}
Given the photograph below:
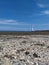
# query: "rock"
{"points": [[32, 50], [18, 63], [42, 63], [27, 52], [1, 49], [7, 62], [9, 56], [35, 55]]}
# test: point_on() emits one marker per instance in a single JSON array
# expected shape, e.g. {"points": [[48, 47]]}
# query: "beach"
{"points": [[24, 49]]}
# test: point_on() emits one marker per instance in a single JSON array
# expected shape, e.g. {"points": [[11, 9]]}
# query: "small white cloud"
{"points": [[6, 21], [10, 22], [14, 25], [45, 12], [13, 22], [41, 5]]}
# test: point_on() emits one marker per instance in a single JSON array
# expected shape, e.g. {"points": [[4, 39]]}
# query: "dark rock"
{"points": [[9, 56], [1, 49], [24, 41], [22, 49], [26, 52], [40, 44], [47, 46], [35, 55]]}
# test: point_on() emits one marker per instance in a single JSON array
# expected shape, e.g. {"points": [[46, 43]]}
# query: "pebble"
{"points": [[32, 51]]}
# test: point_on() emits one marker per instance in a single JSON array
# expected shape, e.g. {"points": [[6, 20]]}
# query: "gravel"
{"points": [[24, 50]]}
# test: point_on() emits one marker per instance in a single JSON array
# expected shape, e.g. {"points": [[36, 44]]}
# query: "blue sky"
{"points": [[21, 14]]}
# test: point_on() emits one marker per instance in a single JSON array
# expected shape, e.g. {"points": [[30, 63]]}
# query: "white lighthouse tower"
{"points": [[32, 29]]}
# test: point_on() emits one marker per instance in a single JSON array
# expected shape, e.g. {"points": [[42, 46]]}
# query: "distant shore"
{"points": [[37, 32]]}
